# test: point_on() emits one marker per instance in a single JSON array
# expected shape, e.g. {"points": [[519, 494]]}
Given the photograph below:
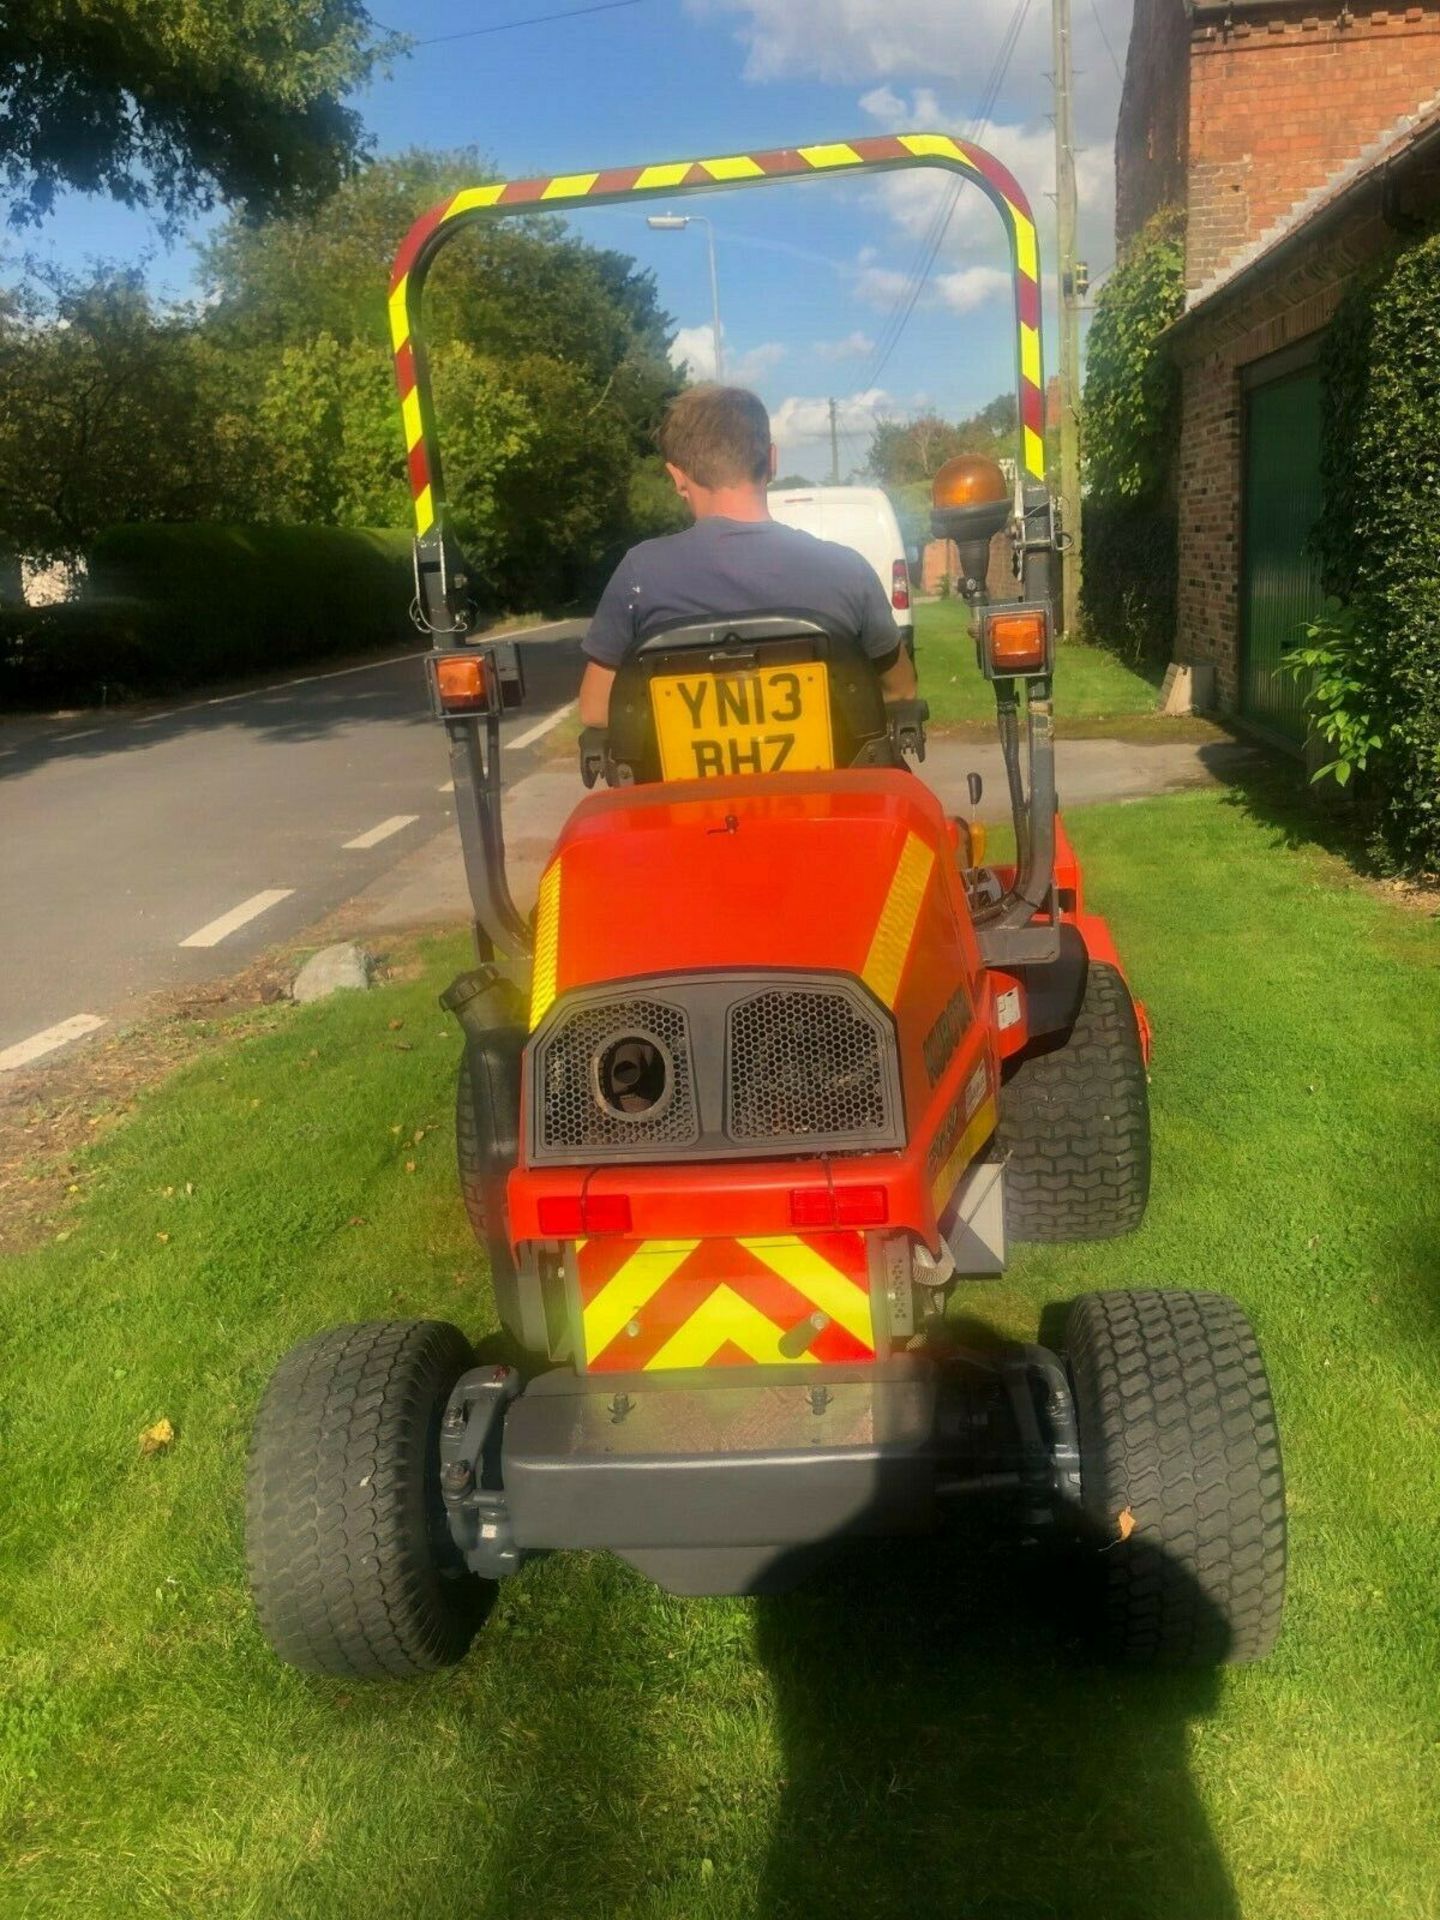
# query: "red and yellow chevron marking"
{"points": [[880, 153], [658, 1304]]}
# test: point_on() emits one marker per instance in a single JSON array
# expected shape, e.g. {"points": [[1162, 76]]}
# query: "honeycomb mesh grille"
{"points": [[571, 1115], [804, 1064]]}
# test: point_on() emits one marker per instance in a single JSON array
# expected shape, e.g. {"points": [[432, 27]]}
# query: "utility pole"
{"points": [[834, 448], [1071, 283]]}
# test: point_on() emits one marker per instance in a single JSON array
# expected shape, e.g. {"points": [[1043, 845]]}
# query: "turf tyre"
{"points": [[1177, 1432], [1074, 1125], [351, 1564]]}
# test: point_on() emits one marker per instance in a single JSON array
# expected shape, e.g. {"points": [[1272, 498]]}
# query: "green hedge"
{"points": [[169, 607], [1379, 538], [1131, 430]]}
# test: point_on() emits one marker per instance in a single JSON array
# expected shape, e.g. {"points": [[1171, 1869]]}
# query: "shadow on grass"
{"points": [[1272, 788], [948, 1751]]}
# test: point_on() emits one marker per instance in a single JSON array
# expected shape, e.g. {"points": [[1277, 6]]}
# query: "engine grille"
{"points": [[804, 1063], [570, 1112]]}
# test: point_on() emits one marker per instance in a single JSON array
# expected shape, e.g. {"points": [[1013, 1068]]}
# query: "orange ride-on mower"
{"points": [[778, 1068]]}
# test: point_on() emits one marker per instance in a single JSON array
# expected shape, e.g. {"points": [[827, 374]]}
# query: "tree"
{"points": [[180, 103], [548, 359], [904, 452], [102, 408]]}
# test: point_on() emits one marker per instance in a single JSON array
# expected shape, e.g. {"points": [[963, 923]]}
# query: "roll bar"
{"points": [[442, 606]]}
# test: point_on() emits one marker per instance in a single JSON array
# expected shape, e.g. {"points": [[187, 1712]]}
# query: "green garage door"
{"points": [[1280, 590]]}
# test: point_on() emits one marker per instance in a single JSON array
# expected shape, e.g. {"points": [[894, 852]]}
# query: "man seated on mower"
{"points": [[735, 560]]}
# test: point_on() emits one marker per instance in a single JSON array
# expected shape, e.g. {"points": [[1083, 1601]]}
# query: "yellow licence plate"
{"points": [[761, 720]]}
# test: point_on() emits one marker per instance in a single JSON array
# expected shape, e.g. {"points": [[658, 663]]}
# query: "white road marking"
{"points": [[214, 931], [539, 731], [85, 733], [335, 673], [24, 1051], [382, 832]]}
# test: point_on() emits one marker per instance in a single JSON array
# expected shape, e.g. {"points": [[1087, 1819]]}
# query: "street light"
{"points": [[676, 223]]}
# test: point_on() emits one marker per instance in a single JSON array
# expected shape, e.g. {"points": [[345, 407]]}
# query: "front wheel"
{"points": [[351, 1564], [1183, 1493], [1075, 1125]]}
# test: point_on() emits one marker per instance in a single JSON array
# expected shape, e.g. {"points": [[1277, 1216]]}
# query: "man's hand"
{"points": [[595, 685]]}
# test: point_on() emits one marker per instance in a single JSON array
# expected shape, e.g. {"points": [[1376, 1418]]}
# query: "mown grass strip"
{"points": [[911, 1735]]}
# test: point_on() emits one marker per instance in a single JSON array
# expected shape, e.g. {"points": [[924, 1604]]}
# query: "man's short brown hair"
{"points": [[719, 436]]}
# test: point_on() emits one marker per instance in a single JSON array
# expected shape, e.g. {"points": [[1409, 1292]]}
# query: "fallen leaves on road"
{"points": [[1124, 1524], [157, 1438]]}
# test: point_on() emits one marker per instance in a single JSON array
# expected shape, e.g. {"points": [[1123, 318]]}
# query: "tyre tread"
{"points": [[1177, 1430], [341, 1563]]}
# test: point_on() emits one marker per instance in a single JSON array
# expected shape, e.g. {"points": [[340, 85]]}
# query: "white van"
{"points": [[858, 517]]}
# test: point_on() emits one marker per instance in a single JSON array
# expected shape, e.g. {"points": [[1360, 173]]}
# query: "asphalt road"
{"points": [[166, 848]]}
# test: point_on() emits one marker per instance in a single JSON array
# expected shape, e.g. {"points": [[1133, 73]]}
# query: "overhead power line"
{"points": [[1106, 38], [934, 238], [529, 20]]}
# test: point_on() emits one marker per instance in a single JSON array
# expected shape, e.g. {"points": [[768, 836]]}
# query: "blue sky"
{"points": [[809, 274]]}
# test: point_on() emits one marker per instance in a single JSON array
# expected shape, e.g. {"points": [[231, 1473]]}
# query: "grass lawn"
{"points": [[910, 1737], [1090, 684]]}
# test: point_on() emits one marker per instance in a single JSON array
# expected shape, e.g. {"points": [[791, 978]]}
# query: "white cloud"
{"points": [[970, 287], [693, 350], [853, 347], [925, 63], [961, 290], [800, 426]]}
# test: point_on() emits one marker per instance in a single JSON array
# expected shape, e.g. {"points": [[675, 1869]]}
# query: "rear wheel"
{"points": [[1182, 1487], [1074, 1125], [351, 1563]]}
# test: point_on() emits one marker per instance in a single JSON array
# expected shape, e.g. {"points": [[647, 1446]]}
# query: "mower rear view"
{"points": [[780, 1070]]}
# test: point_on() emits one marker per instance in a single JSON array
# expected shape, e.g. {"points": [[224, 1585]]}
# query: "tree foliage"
{"points": [[1131, 430], [101, 404], [1379, 543], [903, 452], [176, 104], [275, 402]]}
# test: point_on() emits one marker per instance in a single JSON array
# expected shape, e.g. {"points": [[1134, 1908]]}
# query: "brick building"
{"points": [[1302, 140]]}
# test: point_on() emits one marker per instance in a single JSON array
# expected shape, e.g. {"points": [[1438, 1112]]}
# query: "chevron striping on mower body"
{"points": [[769, 1300]]}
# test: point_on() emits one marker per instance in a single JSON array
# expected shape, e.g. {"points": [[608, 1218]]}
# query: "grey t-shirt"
{"points": [[721, 569]]}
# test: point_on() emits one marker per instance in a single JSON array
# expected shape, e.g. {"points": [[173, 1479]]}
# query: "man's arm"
{"points": [[595, 685], [880, 637], [897, 679], [609, 639]]}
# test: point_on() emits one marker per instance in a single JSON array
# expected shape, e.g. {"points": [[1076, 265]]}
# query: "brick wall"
{"points": [[1281, 97]]}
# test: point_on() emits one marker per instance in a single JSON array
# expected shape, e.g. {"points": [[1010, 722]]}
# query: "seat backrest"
{"points": [[766, 693]]}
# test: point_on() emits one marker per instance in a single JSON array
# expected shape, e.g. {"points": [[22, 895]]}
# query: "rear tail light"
{"points": [[839, 1206], [1015, 641], [607, 1213], [460, 683], [900, 587], [574, 1216]]}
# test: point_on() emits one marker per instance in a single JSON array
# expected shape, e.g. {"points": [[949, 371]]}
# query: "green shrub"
{"points": [[168, 607], [1131, 422], [1379, 538]]}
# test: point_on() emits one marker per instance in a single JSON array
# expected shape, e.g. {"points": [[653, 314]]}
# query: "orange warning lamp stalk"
{"points": [[969, 480], [970, 503]]}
